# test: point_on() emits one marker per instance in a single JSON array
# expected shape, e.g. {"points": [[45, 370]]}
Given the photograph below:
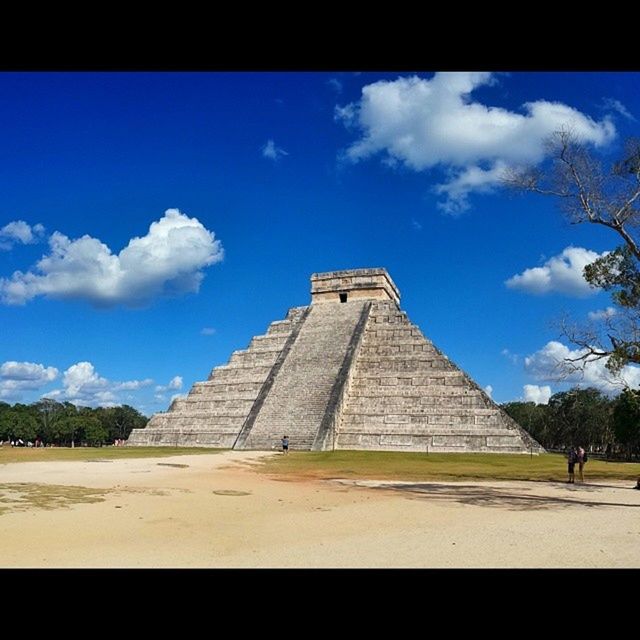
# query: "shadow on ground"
{"points": [[507, 498]]}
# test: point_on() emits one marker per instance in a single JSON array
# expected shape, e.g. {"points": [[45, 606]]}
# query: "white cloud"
{"points": [[335, 84], [602, 314], [537, 394], [16, 377], [167, 261], [272, 152], [562, 273], [550, 363], [612, 104], [133, 385], [19, 231], [514, 358], [416, 225], [83, 385], [207, 331], [428, 123], [174, 383], [488, 390]]}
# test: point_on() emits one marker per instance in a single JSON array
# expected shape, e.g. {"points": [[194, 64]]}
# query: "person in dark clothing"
{"points": [[572, 458], [285, 444]]}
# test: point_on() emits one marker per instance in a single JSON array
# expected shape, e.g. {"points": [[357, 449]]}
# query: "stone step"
{"points": [[438, 419], [247, 375], [376, 406], [179, 438], [223, 387], [196, 421], [252, 359], [301, 390], [379, 368], [279, 327], [269, 342], [214, 409], [212, 395]]}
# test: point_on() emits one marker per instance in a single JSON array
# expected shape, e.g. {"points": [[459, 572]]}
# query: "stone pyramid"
{"points": [[349, 371]]}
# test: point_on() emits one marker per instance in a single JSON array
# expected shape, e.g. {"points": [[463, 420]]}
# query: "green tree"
{"points": [[577, 416], [18, 422], [69, 429], [94, 433], [581, 417], [120, 421], [532, 417], [626, 420], [49, 412]]}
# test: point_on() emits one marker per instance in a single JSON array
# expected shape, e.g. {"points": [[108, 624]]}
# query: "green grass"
{"points": [[388, 465], [25, 454], [23, 496]]}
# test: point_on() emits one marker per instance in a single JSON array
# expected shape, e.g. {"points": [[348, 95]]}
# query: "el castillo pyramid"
{"points": [[349, 371]]}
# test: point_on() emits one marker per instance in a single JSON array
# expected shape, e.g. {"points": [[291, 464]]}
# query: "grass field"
{"points": [[388, 465], [380, 465], [43, 454]]}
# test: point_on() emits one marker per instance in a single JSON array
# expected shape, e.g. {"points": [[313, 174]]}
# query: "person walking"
{"points": [[582, 458], [572, 458], [285, 444]]}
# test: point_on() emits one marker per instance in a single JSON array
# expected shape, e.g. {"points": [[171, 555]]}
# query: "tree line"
{"points": [[64, 424], [584, 417]]}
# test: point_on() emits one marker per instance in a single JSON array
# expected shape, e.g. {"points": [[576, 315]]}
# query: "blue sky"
{"points": [[256, 180]]}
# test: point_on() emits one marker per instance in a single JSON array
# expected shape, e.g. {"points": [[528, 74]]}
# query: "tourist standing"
{"points": [[582, 458], [572, 458], [285, 444]]}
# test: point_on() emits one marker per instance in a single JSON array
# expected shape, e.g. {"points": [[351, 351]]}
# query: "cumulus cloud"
{"points": [[488, 390], [429, 123], [19, 231], [207, 331], [167, 261], [562, 274], [272, 152], [537, 394], [82, 385], [602, 314], [550, 363], [16, 377]]}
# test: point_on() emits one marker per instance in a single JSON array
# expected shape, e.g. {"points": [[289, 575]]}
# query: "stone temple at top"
{"points": [[349, 371]]}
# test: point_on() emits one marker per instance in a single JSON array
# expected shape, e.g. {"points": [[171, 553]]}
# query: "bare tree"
{"points": [[609, 196]]}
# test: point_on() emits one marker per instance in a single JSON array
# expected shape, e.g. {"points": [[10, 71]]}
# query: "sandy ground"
{"points": [[217, 512]]}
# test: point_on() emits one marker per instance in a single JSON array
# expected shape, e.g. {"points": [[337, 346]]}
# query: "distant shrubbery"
{"points": [[584, 417], [64, 424]]}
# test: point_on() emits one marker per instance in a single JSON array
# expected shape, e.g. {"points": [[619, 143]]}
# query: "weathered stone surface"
{"points": [[214, 412], [348, 372], [405, 394]]}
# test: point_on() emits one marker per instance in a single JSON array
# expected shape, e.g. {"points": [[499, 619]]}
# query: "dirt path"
{"points": [[216, 512]]}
